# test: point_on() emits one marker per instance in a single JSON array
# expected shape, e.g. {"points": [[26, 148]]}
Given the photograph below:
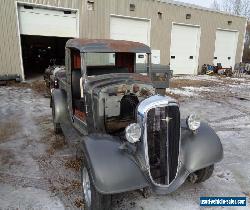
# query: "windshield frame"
{"points": [[84, 65]]}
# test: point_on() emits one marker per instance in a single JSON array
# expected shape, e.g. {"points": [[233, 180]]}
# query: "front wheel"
{"points": [[201, 175], [92, 198]]}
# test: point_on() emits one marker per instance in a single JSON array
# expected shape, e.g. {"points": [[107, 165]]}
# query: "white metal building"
{"points": [[182, 35]]}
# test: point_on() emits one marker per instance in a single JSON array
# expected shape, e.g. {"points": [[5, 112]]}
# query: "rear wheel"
{"points": [[57, 127], [92, 198], [201, 175]]}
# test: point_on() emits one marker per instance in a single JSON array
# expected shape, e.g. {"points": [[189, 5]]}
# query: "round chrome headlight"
{"points": [[193, 122], [133, 132]]}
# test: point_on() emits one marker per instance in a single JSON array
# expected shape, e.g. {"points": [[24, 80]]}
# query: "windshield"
{"points": [[108, 63]]}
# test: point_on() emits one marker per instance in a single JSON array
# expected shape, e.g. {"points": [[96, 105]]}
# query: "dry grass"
{"points": [[179, 83], [217, 80], [74, 164], [55, 143], [216, 83], [8, 158], [37, 86], [7, 129], [65, 185], [172, 95], [43, 120], [79, 203], [71, 186]]}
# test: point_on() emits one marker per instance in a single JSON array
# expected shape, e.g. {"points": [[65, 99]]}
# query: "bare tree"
{"points": [[236, 7], [227, 5], [215, 5], [246, 52]]}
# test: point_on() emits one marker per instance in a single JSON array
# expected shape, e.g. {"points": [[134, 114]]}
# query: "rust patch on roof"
{"points": [[107, 45]]}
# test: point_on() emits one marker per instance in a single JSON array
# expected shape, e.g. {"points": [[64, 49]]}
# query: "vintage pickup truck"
{"points": [[131, 137]]}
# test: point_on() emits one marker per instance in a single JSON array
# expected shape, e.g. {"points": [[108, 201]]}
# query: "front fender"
{"points": [[112, 170], [200, 149]]}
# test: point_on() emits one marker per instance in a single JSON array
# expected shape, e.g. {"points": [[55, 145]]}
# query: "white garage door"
{"points": [[225, 48], [131, 29], [184, 50], [47, 22]]}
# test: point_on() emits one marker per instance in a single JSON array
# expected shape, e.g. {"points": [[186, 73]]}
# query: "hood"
{"points": [[96, 83]]}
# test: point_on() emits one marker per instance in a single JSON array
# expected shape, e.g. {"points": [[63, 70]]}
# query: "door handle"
{"points": [[172, 57], [191, 57]]}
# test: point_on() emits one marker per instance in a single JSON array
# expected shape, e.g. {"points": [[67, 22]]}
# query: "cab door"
{"points": [[77, 102]]}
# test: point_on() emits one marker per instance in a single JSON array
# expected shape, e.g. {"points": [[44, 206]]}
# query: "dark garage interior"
{"points": [[39, 52]]}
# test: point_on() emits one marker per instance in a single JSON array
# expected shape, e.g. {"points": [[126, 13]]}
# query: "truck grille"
{"points": [[163, 136]]}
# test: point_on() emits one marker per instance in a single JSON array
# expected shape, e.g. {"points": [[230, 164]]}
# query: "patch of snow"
{"points": [[241, 86], [27, 198], [199, 89], [225, 176], [242, 122], [198, 77], [211, 78], [189, 91], [180, 92], [230, 178], [236, 79]]}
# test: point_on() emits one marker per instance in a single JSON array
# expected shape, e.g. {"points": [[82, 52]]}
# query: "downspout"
{"points": [[149, 65]]}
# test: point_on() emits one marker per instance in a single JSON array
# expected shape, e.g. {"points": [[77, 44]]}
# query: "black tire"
{"points": [[202, 174], [98, 201], [57, 127]]}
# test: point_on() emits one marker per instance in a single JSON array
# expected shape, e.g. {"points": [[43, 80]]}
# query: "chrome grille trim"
{"points": [[143, 109]]}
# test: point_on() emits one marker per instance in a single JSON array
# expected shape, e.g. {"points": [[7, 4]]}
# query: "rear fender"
{"points": [[59, 101]]}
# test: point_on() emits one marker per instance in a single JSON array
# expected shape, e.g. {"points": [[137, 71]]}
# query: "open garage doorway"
{"points": [[43, 34], [38, 52]]}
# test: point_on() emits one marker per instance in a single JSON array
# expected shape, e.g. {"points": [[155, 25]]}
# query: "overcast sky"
{"points": [[205, 3]]}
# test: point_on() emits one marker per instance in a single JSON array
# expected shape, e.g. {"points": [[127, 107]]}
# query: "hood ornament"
{"points": [[167, 119]]}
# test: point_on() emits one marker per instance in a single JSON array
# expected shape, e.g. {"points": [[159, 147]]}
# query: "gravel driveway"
{"points": [[39, 170]]}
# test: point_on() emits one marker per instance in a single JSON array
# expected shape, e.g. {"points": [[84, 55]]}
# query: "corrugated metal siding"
{"points": [[9, 48], [95, 24]]}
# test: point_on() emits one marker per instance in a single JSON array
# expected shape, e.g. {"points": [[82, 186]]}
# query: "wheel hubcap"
{"points": [[86, 186]]}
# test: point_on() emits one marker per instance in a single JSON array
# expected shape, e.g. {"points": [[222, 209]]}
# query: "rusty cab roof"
{"points": [[107, 45]]}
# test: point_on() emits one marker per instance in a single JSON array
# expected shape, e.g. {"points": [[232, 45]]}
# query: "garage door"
{"points": [[225, 48], [184, 50], [47, 22], [130, 29]]}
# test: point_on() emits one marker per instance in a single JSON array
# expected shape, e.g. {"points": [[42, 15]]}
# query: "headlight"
{"points": [[133, 132], [193, 122]]}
